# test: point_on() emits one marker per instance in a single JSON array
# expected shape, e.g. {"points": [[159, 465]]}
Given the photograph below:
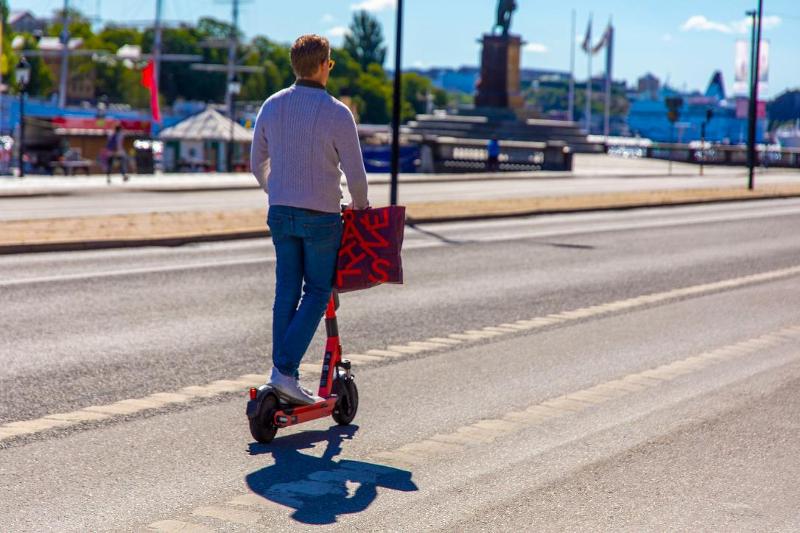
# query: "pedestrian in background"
{"points": [[304, 139], [493, 148], [115, 149]]}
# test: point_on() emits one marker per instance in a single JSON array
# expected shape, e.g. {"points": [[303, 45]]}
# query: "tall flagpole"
{"points": [[589, 82], [609, 58], [157, 43], [571, 97], [156, 60], [64, 73]]}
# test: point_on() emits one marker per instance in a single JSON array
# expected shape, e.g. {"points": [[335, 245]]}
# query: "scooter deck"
{"points": [[290, 415]]}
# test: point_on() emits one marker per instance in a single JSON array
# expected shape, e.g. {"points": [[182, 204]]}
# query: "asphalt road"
{"points": [[141, 198], [706, 442]]}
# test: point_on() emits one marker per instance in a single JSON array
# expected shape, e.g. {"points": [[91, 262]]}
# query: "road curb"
{"points": [[566, 211], [174, 241], [448, 178]]}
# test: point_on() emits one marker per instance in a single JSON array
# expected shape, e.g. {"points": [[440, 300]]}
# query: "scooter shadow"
{"points": [[320, 489]]}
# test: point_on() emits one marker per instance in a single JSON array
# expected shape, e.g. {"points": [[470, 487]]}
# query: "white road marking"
{"points": [[629, 383], [134, 272], [501, 234]]}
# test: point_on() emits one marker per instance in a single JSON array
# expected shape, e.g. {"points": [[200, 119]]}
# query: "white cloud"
{"points": [[338, 31], [667, 37], [701, 23], [374, 5], [767, 23], [420, 65], [771, 21], [536, 48], [327, 18]]}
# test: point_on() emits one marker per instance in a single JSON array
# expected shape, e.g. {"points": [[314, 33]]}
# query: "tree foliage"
{"points": [[358, 75], [364, 42]]}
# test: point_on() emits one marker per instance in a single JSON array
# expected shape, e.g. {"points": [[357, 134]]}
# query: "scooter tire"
{"points": [[262, 428], [347, 403]]}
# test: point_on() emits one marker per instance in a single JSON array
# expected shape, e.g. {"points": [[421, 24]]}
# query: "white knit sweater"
{"points": [[304, 140]]}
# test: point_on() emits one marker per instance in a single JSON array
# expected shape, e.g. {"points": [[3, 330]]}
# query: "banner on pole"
{"points": [[741, 69], [763, 67]]}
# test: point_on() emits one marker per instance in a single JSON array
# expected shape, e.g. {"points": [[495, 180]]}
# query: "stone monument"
{"points": [[499, 84], [499, 111]]}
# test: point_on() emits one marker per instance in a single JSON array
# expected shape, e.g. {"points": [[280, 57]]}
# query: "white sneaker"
{"points": [[289, 388]]}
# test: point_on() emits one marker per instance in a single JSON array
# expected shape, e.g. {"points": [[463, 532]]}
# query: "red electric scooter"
{"points": [[267, 411]]}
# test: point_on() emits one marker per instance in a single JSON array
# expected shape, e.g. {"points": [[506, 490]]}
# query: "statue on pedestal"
{"points": [[505, 10], [499, 83]]}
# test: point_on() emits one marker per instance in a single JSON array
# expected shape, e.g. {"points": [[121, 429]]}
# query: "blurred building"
{"points": [[648, 85], [82, 75], [648, 114], [25, 21]]}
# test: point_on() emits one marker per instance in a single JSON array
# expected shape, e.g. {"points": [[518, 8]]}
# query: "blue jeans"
{"points": [[306, 245]]}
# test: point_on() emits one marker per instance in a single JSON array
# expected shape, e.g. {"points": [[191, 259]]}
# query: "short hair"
{"points": [[308, 53]]}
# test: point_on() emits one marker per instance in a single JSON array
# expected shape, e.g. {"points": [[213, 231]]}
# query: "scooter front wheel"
{"points": [[347, 402], [262, 427]]}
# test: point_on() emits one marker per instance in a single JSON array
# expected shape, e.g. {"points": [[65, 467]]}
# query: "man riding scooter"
{"points": [[304, 139]]}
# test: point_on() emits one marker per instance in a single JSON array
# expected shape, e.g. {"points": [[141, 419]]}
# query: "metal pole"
{"points": [[588, 92], [232, 42], [571, 97], [22, 132], [702, 145], [671, 143], [62, 85], [396, 99], [157, 44], [750, 114], [609, 59], [156, 58], [230, 133], [751, 137]]}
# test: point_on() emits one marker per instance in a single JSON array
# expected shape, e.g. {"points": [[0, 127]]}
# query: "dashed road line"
{"points": [[14, 430], [485, 431]]}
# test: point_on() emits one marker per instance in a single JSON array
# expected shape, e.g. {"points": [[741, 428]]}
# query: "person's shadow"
{"points": [[319, 488]]}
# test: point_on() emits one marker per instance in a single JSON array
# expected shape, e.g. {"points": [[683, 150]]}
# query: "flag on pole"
{"points": [[149, 82], [604, 40], [587, 41]]}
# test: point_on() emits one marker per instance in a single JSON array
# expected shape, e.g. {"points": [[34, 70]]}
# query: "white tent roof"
{"points": [[210, 125]]}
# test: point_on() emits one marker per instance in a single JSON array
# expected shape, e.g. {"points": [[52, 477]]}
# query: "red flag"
{"points": [[149, 81]]}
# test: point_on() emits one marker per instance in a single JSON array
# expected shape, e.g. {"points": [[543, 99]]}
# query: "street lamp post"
{"points": [[23, 78], [709, 115], [755, 53], [234, 88], [396, 102]]}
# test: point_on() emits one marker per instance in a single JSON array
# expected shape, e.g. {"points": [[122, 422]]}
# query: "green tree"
{"points": [[364, 43], [374, 97], [7, 56], [415, 94]]}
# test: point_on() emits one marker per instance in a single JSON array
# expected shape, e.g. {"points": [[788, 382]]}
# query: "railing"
{"points": [[715, 154], [452, 155]]}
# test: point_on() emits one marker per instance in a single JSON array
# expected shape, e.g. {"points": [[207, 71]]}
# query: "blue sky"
{"points": [[682, 40]]}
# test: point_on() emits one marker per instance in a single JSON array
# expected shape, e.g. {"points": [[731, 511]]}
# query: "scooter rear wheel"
{"points": [[262, 427], [347, 401]]}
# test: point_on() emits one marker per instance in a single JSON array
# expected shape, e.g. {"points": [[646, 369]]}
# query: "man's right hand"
{"points": [[351, 205]]}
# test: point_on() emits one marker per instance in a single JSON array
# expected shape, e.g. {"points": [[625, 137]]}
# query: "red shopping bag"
{"points": [[370, 250]]}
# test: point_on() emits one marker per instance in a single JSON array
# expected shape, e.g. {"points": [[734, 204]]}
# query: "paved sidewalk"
{"points": [[585, 166], [179, 227]]}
